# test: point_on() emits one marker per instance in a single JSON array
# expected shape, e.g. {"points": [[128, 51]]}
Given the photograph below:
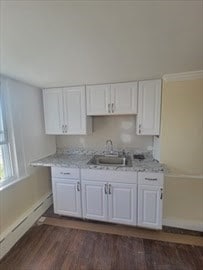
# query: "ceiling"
{"points": [[55, 43]]}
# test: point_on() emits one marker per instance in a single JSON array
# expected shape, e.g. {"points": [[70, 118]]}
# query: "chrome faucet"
{"points": [[109, 147]]}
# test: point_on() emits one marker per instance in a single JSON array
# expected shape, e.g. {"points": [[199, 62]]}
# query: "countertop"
{"points": [[80, 161]]}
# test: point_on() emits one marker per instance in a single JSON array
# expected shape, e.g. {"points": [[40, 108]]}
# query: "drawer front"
{"points": [[109, 175], [67, 173], [150, 178]]}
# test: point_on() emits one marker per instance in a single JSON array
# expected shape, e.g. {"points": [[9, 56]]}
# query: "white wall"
{"points": [[120, 129], [31, 143], [26, 109]]}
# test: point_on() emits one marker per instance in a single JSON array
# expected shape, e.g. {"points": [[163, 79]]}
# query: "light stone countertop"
{"points": [[80, 161]]}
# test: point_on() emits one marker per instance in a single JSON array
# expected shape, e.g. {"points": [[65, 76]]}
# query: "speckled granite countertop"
{"points": [[75, 160]]}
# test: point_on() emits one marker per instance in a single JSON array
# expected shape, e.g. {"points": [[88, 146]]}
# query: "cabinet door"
{"points": [[123, 203], [94, 198], [67, 197], [53, 110], [124, 98], [98, 99], [74, 110], [150, 206], [149, 107]]}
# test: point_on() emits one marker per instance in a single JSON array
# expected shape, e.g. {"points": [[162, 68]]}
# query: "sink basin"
{"points": [[111, 161]]}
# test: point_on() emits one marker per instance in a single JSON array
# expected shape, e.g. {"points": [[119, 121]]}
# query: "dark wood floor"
{"points": [[48, 247]]}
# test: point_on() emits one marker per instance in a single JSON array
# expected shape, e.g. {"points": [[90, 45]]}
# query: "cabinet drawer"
{"points": [[109, 175], [68, 173], [150, 178]]}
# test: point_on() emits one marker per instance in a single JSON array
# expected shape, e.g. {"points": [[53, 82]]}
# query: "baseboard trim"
{"points": [[23, 224], [183, 224]]}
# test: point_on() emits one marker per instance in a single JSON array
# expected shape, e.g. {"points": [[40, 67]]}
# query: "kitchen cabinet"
{"points": [[122, 203], [150, 200], [149, 107], [66, 192], [108, 200], [65, 111], [112, 99], [94, 198]]}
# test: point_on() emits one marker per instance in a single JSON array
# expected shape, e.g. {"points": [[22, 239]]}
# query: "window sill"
{"points": [[11, 181]]}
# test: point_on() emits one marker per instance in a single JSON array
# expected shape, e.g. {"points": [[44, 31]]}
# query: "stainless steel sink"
{"points": [[111, 161]]}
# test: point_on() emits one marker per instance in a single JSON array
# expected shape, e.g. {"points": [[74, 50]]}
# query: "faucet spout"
{"points": [[109, 146]]}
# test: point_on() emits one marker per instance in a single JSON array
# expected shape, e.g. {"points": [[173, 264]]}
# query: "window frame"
{"points": [[8, 147]]}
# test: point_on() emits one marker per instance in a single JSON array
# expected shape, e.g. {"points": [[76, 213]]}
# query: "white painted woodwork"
{"points": [[94, 200], [150, 199], [108, 99], [53, 110], [122, 201], [149, 107], [149, 206], [75, 110], [129, 177], [98, 99], [124, 98], [67, 197], [67, 173], [65, 111], [151, 178]]}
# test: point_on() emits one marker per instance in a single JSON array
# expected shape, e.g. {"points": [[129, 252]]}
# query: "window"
{"points": [[6, 171]]}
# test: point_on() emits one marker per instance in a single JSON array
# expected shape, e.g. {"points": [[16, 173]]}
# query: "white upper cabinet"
{"points": [[53, 110], [65, 111], [108, 99], [124, 98], [149, 107], [98, 99]]}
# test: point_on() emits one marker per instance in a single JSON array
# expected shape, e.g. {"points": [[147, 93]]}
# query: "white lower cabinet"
{"points": [[119, 197], [94, 200], [66, 192], [122, 203], [108, 196], [150, 200]]}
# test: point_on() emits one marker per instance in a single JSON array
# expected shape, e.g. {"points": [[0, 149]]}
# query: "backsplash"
{"points": [[120, 129]]}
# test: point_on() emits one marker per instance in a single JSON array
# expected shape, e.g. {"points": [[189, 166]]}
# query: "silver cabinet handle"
{"points": [[161, 195], [112, 107], [66, 128], [109, 108], [65, 173], [110, 189], [139, 128], [151, 179], [106, 188], [78, 186], [63, 129]]}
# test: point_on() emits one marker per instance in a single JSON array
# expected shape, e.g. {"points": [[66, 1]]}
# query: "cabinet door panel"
{"points": [[98, 99], [124, 98], [94, 200], [67, 199], [149, 106], [74, 110], [122, 203], [149, 206], [53, 110]]}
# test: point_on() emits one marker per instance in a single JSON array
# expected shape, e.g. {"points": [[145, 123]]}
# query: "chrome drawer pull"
{"points": [[161, 196], [65, 173], [106, 189], [151, 179], [110, 189], [109, 109], [78, 186]]}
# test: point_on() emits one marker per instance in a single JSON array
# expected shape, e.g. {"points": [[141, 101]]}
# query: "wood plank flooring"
{"points": [[125, 231], [48, 247]]}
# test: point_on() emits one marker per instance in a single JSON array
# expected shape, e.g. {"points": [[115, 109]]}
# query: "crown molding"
{"points": [[191, 75]]}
